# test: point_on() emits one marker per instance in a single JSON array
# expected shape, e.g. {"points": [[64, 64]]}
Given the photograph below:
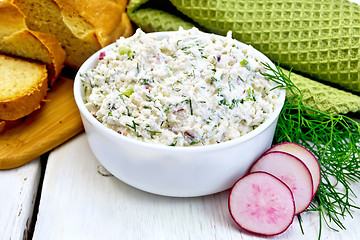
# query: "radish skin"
{"points": [[305, 156], [292, 171], [262, 204]]}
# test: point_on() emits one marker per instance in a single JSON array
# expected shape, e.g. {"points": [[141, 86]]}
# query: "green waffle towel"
{"points": [[319, 39]]}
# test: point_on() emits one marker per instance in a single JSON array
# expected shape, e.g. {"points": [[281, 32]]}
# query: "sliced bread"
{"points": [[23, 86], [81, 26], [16, 39]]}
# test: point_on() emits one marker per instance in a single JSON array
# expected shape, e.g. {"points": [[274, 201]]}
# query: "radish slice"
{"points": [[292, 171], [261, 203], [304, 155]]}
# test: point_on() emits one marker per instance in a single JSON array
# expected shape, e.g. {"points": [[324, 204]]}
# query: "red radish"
{"points": [[292, 171], [304, 155], [261, 203]]}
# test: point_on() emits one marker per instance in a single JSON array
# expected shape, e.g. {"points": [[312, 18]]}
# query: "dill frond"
{"points": [[333, 138]]}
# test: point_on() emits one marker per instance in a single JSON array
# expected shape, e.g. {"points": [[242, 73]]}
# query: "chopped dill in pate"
{"points": [[189, 89]]}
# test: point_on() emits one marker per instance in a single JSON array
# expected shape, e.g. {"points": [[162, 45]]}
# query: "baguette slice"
{"points": [[108, 19], [17, 40], [81, 26], [23, 86]]}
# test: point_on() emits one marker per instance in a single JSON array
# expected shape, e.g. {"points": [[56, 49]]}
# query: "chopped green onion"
{"points": [[189, 101], [193, 143], [151, 131], [124, 51], [213, 79], [174, 143], [133, 126], [250, 95], [128, 91], [244, 62], [223, 101]]}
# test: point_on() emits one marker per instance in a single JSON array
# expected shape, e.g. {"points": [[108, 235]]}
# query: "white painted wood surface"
{"points": [[18, 189], [79, 203]]}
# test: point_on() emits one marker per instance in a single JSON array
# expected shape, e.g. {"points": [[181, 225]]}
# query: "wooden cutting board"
{"points": [[54, 123]]}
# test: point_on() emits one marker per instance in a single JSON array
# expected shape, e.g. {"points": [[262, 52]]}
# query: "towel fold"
{"points": [[319, 39], [323, 97]]}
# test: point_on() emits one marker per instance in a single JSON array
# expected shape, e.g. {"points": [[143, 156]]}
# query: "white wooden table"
{"points": [[18, 189], [77, 202]]}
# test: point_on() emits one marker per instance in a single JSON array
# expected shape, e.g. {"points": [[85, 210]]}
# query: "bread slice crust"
{"points": [[24, 85], [81, 26], [16, 39]]}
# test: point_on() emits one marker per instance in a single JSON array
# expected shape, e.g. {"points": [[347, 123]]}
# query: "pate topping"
{"points": [[191, 88]]}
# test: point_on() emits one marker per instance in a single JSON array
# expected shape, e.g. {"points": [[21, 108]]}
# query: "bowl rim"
{"points": [[92, 61]]}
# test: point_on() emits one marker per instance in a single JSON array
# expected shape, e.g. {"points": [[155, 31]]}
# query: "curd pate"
{"points": [[191, 88]]}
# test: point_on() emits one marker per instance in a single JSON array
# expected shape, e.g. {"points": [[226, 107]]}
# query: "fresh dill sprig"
{"points": [[333, 138]]}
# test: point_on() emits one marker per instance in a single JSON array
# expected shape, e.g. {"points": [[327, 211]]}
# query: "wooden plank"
{"points": [[79, 203], [18, 189], [55, 122]]}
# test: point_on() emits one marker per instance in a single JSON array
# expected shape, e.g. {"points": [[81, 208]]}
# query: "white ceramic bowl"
{"points": [[174, 171]]}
